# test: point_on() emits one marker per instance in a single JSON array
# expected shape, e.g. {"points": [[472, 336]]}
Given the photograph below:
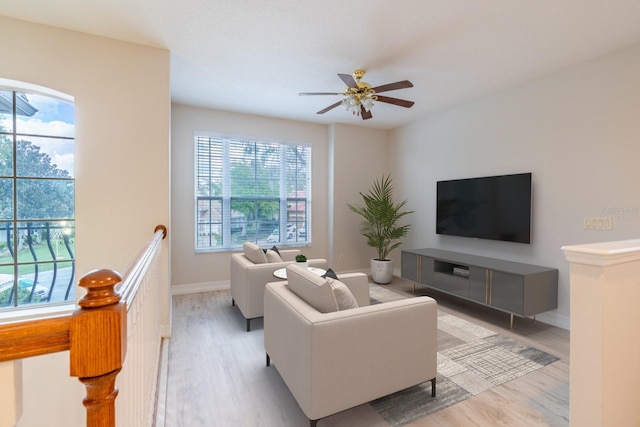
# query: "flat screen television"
{"points": [[492, 207]]}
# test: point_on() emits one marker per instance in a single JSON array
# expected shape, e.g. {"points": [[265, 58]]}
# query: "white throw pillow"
{"points": [[273, 256], [344, 297], [311, 288], [254, 253]]}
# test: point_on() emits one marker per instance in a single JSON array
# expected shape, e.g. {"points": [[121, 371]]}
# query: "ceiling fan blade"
{"points": [[395, 101], [349, 80], [330, 107], [364, 113], [393, 86], [319, 93]]}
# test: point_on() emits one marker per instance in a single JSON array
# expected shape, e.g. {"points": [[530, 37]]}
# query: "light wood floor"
{"points": [[217, 374]]}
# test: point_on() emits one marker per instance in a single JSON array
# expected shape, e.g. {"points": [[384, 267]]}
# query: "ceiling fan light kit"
{"points": [[360, 97], [353, 103]]}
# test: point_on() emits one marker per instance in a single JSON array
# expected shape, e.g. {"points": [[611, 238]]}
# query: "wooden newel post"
{"points": [[97, 350]]}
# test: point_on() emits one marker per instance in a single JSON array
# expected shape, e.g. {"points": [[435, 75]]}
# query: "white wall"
{"points": [[577, 131], [122, 102]]}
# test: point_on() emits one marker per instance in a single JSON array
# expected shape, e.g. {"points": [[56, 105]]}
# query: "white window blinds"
{"points": [[249, 190]]}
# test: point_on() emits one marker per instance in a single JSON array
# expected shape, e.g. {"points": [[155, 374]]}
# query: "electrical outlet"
{"points": [[598, 223]]}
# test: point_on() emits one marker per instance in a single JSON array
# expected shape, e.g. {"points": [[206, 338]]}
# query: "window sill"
{"points": [[42, 312], [269, 245]]}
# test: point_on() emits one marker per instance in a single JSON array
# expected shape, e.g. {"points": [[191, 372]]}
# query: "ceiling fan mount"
{"points": [[360, 96], [357, 75]]}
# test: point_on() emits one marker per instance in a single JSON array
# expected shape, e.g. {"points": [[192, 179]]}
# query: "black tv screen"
{"points": [[493, 207]]}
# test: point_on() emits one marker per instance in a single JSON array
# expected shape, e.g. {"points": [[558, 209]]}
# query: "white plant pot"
{"points": [[304, 265], [381, 271]]}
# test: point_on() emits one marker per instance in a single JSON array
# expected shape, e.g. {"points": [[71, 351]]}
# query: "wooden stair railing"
{"points": [[98, 328], [95, 335], [34, 338]]}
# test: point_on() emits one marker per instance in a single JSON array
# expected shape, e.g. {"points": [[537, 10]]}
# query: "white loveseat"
{"points": [[247, 279], [332, 361]]}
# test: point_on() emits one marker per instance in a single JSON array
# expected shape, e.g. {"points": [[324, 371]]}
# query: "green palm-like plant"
{"points": [[380, 218]]}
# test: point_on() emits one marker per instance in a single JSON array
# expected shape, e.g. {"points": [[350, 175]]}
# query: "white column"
{"points": [[10, 392], [605, 333]]}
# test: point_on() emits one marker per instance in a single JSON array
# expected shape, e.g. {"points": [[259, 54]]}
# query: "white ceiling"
{"points": [[255, 56]]}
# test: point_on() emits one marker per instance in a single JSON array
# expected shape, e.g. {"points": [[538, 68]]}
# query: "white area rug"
{"points": [[471, 359]]}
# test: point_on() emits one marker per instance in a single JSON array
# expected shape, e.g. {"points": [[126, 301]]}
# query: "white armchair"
{"points": [[332, 361], [248, 280]]}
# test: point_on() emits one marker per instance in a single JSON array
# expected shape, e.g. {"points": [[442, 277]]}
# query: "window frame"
{"points": [[38, 309], [226, 200]]}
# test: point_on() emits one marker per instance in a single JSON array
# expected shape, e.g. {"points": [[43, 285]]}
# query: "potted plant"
{"points": [[302, 261], [380, 225]]}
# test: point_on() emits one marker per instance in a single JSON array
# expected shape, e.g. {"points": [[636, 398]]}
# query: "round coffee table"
{"points": [[281, 273]]}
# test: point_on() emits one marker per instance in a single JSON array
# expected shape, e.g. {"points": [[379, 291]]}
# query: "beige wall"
{"points": [[359, 157], [122, 104], [576, 131], [345, 161], [190, 268]]}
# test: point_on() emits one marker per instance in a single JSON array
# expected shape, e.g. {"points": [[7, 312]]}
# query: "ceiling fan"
{"points": [[359, 96]]}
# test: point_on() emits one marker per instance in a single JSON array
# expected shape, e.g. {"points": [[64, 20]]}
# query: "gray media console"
{"points": [[513, 287]]}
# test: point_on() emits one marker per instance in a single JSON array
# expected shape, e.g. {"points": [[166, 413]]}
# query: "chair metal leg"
{"points": [[233, 302], [248, 325], [268, 360], [433, 387]]}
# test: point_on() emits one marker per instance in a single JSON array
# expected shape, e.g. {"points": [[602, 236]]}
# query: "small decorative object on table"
{"points": [[302, 261]]}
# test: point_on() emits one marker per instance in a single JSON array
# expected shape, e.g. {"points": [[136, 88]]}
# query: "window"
{"points": [[248, 190], [37, 228]]}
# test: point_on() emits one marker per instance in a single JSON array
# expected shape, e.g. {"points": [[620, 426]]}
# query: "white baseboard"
{"points": [[161, 403], [555, 319], [194, 288]]}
